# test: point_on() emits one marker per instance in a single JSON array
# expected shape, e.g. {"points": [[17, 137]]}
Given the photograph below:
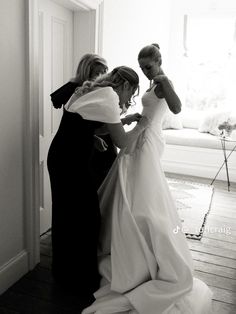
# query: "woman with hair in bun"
{"points": [[75, 207], [144, 259]]}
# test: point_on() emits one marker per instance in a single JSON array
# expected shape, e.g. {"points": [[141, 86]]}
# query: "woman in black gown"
{"points": [[89, 68], [75, 207]]}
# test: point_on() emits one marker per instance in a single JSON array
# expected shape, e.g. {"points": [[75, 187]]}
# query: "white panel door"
{"points": [[55, 68]]}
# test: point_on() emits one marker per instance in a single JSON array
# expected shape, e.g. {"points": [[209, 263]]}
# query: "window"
{"points": [[210, 62]]}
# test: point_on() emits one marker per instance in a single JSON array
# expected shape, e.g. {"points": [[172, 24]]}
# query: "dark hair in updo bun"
{"points": [[151, 51]]}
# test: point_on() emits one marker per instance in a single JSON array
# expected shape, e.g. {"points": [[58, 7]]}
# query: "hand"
{"points": [[100, 144], [160, 79], [131, 118], [143, 122]]}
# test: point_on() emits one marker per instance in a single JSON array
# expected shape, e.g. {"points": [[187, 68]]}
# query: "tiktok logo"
{"points": [[176, 230]]}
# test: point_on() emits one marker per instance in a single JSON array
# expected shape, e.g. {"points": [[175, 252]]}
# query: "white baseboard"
{"points": [[13, 270], [199, 162]]}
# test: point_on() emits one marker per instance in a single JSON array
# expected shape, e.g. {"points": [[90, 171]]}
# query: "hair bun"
{"points": [[156, 45]]}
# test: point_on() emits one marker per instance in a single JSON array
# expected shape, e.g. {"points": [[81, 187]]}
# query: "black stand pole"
{"points": [[225, 162]]}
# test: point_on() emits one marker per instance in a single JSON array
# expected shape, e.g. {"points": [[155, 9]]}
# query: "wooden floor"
{"points": [[215, 255], [214, 258]]}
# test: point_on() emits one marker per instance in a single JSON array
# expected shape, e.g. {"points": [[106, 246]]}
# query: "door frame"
{"points": [[87, 13]]}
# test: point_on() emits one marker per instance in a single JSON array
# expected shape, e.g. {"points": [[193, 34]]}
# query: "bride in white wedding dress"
{"points": [[145, 262]]}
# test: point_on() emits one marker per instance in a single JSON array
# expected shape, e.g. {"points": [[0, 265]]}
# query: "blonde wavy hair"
{"points": [[114, 79], [87, 64]]}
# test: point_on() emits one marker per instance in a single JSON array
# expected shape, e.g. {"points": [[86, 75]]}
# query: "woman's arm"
{"points": [[130, 118], [169, 94], [121, 138], [103, 130]]}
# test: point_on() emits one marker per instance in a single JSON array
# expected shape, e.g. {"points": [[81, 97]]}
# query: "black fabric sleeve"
{"points": [[63, 94]]}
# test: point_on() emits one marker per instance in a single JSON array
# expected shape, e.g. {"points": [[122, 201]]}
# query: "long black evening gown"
{"points": [[101, 162], [75, 207]]}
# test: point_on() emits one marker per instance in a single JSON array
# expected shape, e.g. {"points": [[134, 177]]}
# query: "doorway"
{"points": [[55, 69], [60, 32]]}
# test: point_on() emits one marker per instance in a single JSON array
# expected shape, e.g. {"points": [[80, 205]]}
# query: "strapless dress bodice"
{"points": [[154, 109]]}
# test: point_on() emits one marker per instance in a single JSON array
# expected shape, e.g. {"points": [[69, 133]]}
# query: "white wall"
{"points": [[128, 26], [13, 100]]}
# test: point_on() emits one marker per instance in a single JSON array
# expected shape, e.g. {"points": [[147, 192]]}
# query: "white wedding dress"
{"points": [[144, 259]]}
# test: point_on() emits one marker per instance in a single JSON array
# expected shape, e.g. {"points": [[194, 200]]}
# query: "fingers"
{"points": [[100, 144], [104, 145], [135, 117], [138, 115], [159, 78]]}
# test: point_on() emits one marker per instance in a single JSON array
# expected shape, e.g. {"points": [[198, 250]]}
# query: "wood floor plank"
{"points": [[45, 250], [223, 295], [221, 236], [47, 293], [221, 222], [212, 259], [46, 239], [218, 270], [216, 281], [223, 308], [27, 304], [199, 246], [40, 274], [45, 261], [219, 244]]}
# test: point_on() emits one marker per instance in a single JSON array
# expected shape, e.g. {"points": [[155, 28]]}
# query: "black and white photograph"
{"points": [[118, 157]]}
